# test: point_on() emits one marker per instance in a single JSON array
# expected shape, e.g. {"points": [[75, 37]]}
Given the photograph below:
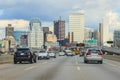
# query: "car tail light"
{"points": [[100, 54], [88, 54], [30, 54]]}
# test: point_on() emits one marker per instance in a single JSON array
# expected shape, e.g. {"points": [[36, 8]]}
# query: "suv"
{"points": [[24, 54]]}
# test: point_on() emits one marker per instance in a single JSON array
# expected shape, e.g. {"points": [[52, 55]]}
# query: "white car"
{"points": [[69, 53], [52, 54], [93, 54], [61, 53], [43, 55]]}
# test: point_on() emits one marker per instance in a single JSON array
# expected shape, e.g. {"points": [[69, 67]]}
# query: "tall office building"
{"points": [[9, 30], [24, 40], [45, 29], [88, 33], [59, 29], [117, 38], [35, 34], [76, 27], [101, 33], [17, 35]]}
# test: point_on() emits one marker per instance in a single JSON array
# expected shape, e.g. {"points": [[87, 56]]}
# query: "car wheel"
{"points": [[15, 62], [85, 61], [20, 62], [31, 60], [35, 61], [38, 58], [100, 62]]}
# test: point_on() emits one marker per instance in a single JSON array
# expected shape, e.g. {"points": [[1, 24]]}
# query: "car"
{"points": [[69, 53], [52, 54], [62, 53], [24, 54], [43, 55], [93, 54]]}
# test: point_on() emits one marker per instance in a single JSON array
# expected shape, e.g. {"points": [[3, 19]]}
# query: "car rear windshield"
{"points": [[42, 51], [23, 49], [94, 51]]}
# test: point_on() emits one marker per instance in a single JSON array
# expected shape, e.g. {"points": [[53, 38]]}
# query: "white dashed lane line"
{"points": [[29, 68], [78, 68]]}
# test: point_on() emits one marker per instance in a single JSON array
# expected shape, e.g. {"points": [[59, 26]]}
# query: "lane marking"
{"points": [[29, 68], [76, 62], [112, 64], [78, 68], [44, 62]]}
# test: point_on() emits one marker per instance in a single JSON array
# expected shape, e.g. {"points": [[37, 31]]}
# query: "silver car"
{"points": [[52, 54], [61, 53], [93, 54], [43, 55]]}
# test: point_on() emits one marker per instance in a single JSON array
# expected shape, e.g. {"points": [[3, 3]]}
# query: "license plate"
{"points": [[22, 54]]}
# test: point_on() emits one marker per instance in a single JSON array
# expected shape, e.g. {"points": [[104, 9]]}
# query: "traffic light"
{"points": [[80, 44], [83, 44], [109, 42]]}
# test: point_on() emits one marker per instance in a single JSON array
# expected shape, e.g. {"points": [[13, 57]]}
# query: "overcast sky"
{"points": [[50, 10]]}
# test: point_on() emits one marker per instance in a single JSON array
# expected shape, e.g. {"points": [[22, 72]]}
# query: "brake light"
{"points": [[88, 54], [100, 54], [30, 54]]}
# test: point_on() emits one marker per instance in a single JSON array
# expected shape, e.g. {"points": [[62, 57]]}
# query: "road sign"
{"points": [[92, 41], [0, 44]]}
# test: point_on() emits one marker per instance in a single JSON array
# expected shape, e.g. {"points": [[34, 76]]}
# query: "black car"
{"points": [[24, 54]]}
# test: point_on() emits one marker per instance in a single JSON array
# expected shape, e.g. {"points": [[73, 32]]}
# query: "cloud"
{"points": [[50, 10], [17, 23]]}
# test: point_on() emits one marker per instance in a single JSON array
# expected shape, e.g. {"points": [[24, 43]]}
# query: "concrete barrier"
{"points": [[112, 57], [6, 58]]}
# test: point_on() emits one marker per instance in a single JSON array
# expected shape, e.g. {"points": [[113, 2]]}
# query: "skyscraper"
{"points": [[59, 29], [76, 27], [101, 33], [9, 30], [17, 35], [35, 34], [24, 40]]}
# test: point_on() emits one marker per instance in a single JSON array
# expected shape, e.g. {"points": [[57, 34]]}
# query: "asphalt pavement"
{"points": [[61, 68]]}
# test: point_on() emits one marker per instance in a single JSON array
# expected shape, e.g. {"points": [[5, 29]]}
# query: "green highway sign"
{"points": [[0, 44], [92, 41]]}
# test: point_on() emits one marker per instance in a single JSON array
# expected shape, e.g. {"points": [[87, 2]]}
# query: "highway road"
{"points": [[61, 68]]}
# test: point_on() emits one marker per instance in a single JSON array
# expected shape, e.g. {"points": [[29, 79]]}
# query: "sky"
{"points": [[22, 11]]}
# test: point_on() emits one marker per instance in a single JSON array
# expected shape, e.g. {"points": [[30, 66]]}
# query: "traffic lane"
{"points": [[44, 72], [92, 71], [13, 71], [69, 68]]}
